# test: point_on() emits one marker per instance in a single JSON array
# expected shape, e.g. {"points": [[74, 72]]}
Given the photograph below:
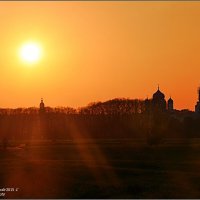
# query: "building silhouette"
{"points": [[197, 106], [158, 103], [42, 106], [170, 104]]}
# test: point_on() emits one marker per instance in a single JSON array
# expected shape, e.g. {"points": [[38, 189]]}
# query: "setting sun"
{"points": [[94, 51], [100, 99], [30, 52]]}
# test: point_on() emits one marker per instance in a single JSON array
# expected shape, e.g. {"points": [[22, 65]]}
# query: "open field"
{"points": [[102, 169]]}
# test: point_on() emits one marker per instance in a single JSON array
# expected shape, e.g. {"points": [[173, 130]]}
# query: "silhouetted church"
{"points": [[197, 106], [42, 107], [170, 104], [158, 103]]}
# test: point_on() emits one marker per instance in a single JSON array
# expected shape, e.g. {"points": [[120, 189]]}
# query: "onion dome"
{"points": [[158, 95]]}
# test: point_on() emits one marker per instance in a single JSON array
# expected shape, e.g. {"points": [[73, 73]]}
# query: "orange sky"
{"points": [[95, 51]]}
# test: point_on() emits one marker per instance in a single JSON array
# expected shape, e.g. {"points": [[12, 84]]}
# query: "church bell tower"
{"points": [[42, 107]]}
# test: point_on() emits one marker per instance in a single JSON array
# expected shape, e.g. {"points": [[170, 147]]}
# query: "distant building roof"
{"points": [[170, 100], [158, 94]]}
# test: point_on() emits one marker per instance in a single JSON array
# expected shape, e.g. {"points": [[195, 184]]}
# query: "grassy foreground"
{"points": [[101, 169]]}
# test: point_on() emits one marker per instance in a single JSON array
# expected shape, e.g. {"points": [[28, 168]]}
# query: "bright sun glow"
{"points": [[30, 52]]}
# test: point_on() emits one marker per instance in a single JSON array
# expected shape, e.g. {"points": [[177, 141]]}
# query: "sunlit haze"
{"points": [[96, 51]]}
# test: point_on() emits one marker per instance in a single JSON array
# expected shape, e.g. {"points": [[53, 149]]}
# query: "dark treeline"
{"points": [[113, 119]]}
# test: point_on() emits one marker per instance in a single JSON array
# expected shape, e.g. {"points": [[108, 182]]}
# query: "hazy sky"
{"points": [[95, 51]]}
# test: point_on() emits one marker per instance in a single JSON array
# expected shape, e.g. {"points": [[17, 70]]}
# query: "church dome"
{"points": [[158, 95]]}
